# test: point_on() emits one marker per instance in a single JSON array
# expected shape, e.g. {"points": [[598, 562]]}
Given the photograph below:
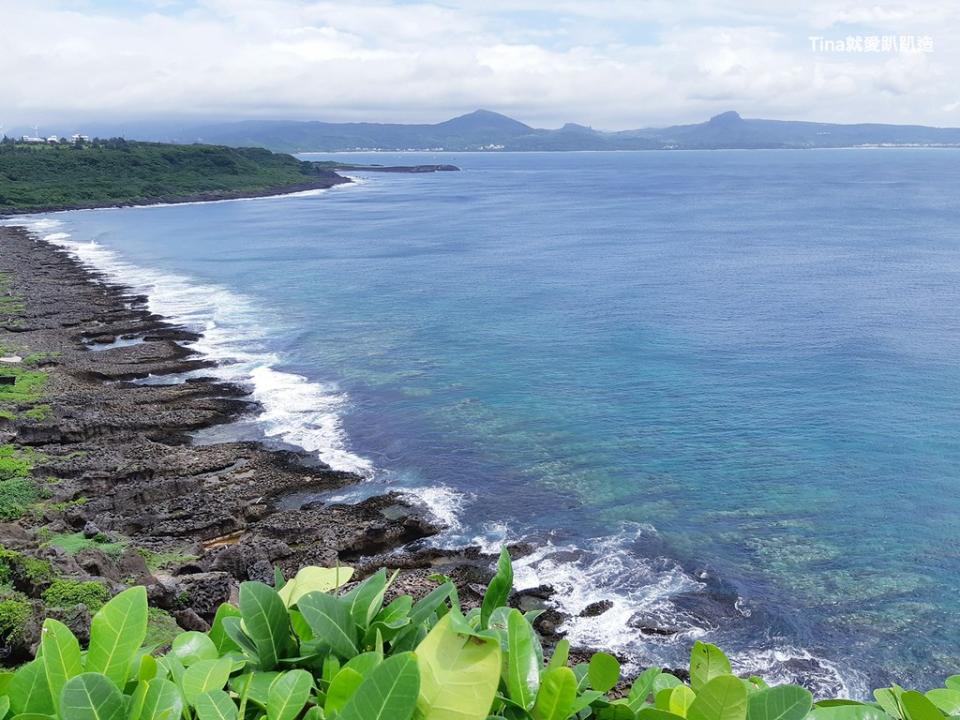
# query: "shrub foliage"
{"points": [[121, 171], [310, 649]]}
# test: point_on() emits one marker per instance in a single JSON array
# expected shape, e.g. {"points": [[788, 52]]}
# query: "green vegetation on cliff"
{"points": [[117, 172]]}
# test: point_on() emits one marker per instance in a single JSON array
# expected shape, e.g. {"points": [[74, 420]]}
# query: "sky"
{"points": [[610, 64]]}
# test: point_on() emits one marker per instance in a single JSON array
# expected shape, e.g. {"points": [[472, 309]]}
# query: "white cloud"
{"points": [[608, 63]]}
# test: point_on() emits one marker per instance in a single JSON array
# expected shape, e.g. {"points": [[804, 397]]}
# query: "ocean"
{"points": [[718, 388]]}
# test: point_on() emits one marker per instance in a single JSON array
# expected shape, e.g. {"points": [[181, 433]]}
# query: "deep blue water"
{"points": [[721, 388]]}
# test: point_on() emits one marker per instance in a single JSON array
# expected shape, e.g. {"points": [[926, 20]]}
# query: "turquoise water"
{"points": [[720, 388]]}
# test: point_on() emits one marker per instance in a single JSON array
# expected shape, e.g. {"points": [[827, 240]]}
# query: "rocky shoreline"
{"points": [[143, 504]]}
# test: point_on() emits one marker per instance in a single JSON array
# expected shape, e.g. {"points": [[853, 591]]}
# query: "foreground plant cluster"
{"points": [[311, 649]]}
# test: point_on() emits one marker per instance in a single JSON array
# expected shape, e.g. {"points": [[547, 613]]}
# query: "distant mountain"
{"points": [[474, 131], [729, 130], [486, 130]]}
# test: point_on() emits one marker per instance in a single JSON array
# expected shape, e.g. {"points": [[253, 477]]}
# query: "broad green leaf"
{"points": [[396, 610], [662, 699], [314, 579], [388, 631], [429, 603], [603, 671], [642, 687], [173, 668], [681, 698], [204, 676], [221, 640], [561, 652], [459, 674], [424, 609], [391, 620], [952, 682], [215, 705], [389, 692], [919, 707], [617, 710], [91, 696], [255, 685], [364, 663], [887, 699], [233, 629], [288, 694], [945, 699], [61, 657], [329, 618], [366, 600], [116, 634], [586, 699], [663, 681], [523, 668], [189, 647], [848, 712], [264, 621], [29, 692], [656, 714], [342, 688], [722, 698], [706, 662], [157, 699], [784, 702], [558, 693], [4, 706], [498, 590], [148, 668]]}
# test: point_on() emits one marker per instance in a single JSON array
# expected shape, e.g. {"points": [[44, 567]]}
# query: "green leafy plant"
{"points": [[315, 649]]}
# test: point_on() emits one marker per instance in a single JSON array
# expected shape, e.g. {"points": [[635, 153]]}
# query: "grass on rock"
{"points": [[69, 593], [18, 491], [74, 543]]}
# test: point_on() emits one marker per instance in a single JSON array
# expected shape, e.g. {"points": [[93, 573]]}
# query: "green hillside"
{"points": [[119, 172]]}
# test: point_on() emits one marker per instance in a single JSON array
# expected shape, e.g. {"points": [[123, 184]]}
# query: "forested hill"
{"points": [[104, 173]]}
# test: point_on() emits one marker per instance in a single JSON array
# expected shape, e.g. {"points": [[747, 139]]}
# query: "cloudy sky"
{"points": [[612, 64]]}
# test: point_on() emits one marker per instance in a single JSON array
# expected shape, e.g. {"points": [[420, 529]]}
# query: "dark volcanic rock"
{"points": [[596, 608], [205, 592], [189, 620]]}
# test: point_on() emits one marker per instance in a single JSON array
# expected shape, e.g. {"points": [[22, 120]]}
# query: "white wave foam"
{"points": [[294, 410], [46, 223], [783, 664], [443, 503], [604, 570]]}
